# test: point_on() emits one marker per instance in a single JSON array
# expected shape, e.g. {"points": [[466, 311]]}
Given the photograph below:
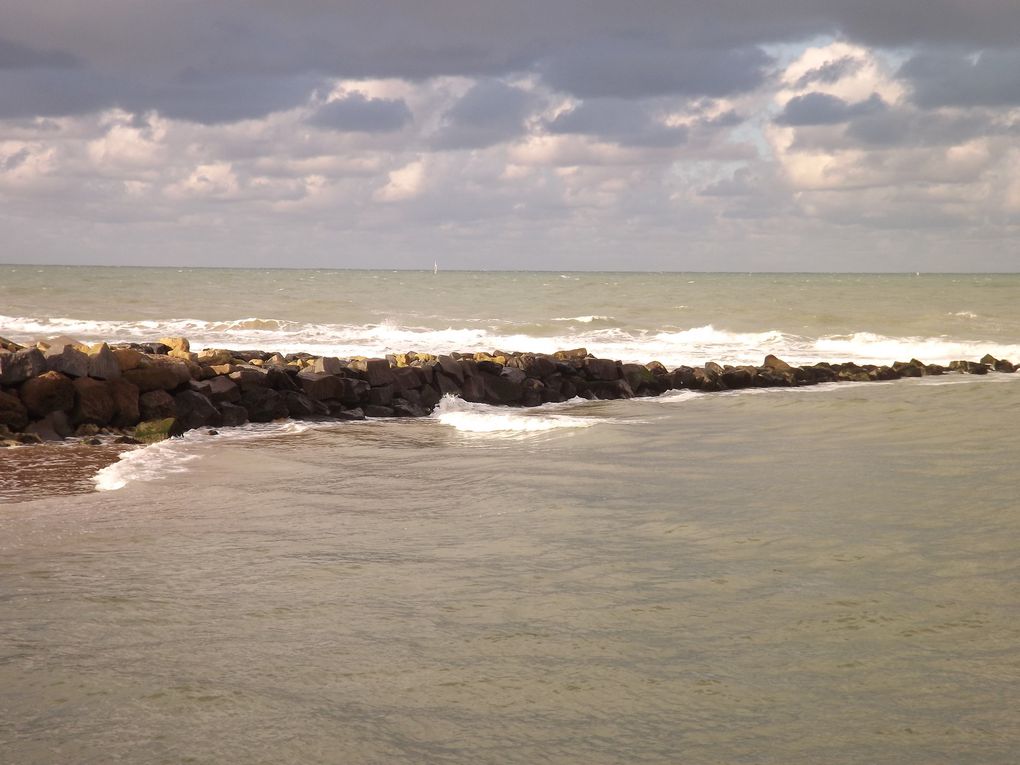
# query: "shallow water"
{"points": [[791, 576]]}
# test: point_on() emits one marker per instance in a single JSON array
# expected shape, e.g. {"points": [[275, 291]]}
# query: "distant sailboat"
{"points": [[435, 267]]}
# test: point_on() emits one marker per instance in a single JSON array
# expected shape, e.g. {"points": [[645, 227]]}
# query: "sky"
{"points": [[722, 135]]}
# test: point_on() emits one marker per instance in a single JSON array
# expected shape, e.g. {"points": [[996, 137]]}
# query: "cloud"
{"points": [[357, 113], [490, 112], [639, 68], [13, 55], [618, 121], [823, 109], [830, 72], [989, 78]]}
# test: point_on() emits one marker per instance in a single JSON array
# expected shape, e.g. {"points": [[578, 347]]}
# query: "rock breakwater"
{"points": [[141, 392]]}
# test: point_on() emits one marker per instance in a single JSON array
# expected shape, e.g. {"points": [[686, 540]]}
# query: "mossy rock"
{"points": [[151, 431]]}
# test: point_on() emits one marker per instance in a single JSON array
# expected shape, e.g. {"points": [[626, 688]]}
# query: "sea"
{"points": [[827, 574]]}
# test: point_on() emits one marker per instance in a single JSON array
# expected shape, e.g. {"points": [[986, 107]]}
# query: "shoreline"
{"points": [[131, 393]]}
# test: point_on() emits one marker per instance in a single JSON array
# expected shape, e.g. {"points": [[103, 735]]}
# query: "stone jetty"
{"points": [[139, 392]]}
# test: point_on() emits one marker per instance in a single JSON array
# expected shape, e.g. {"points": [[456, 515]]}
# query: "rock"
{"points": [[532, 392], [407, 378], [19, 366], [94, 402], [13, 413], [1002, 365], [194, 411], [404, 408], [734, 378], [126, 440], [321, 386], [213, 357], [350, 414], [232, 415], [103, 364], [176, 343], [381, 395], [127, 358], [301, 406], [451, 367], [53, 427], [374, 410], [151, 431], [777, 364], [222, 389], [638, 376], [277, 379], [497, 389], [577, 354], [610, 389], [330, 365], [263, 404], [49, 392], [156, 405], [374, 371], [183, 355], [537, 366], [85, 430], [247, 377], [125, 402], [601, 369], [67, 360], [447, 385], [161, 374], [9, 345], [514, 375]]}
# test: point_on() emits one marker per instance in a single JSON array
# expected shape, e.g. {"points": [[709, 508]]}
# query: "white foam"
{"points": [[165, 458], [583, 319], [671, 346], [474, 418]]}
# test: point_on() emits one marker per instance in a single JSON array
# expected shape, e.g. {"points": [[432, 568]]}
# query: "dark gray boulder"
{"points": [[67, 360], [19, 366], [156, 405], [194, 411]]}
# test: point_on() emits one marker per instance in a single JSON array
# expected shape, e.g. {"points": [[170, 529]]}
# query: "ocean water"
{"points": [[825, 574]]}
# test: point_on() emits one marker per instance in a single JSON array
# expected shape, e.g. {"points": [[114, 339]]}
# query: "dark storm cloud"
{"points": [[489, 113], [254, 56], [824, 109], [358, 114], [626, 123], [991, 78], [16, 56], [637, 68]]}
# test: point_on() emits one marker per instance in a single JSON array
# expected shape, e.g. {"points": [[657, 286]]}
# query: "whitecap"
{"points": [[473, 418]]}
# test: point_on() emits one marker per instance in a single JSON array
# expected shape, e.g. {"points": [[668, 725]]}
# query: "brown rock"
{"points": [[13, 413], [374, 371], [125, 402], [93, 402], [602, 369], [49, 392], [127, 358], [176, 343], [162, 374]]}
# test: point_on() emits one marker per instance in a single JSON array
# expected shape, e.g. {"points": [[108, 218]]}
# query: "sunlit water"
{"points": [[818, 575]]}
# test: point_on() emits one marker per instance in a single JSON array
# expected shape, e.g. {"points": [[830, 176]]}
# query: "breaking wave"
{"points": [[672, 347], [473, 418]]}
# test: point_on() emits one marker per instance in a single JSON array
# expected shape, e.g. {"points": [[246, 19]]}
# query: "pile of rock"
{"points": [[147, 391]]}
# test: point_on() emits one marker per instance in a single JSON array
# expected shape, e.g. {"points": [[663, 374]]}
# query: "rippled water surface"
{"points": [[824, 575]]}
